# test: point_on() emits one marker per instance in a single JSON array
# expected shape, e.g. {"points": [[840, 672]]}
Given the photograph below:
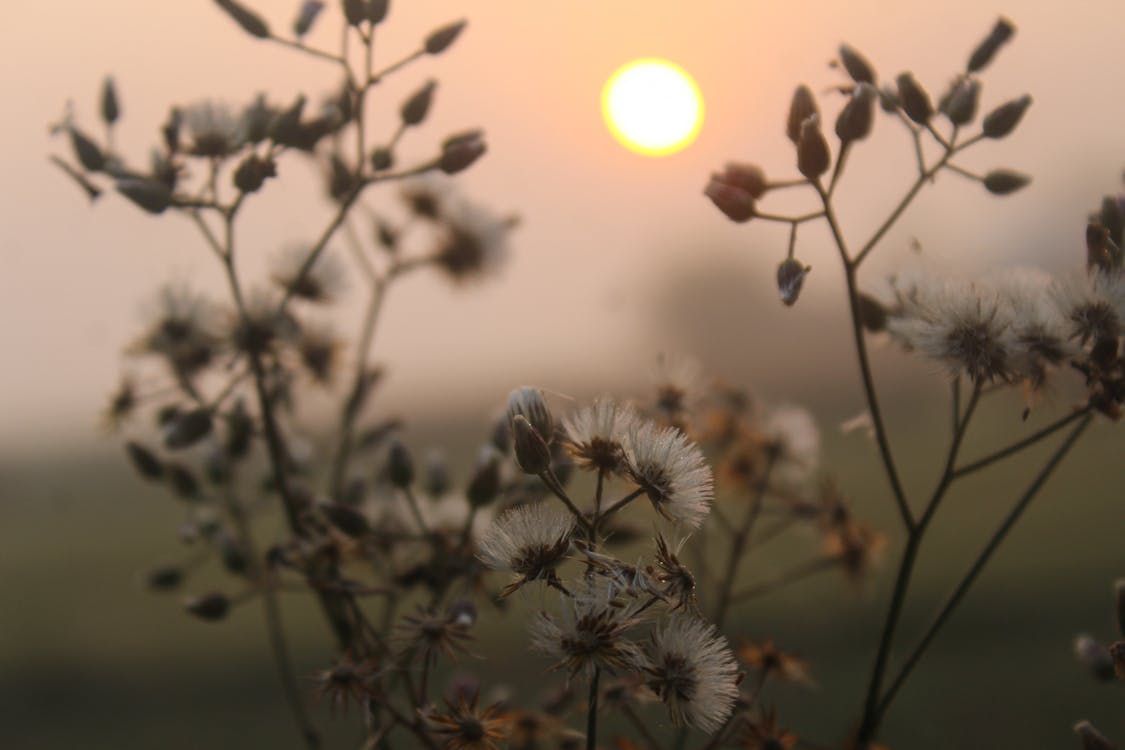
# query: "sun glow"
{"points": [[653, 107]]}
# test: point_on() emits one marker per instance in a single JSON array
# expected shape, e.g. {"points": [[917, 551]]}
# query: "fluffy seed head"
{"points": [[529, 540], [691, 667], [591, 631], [671, 470], [595, 434]]}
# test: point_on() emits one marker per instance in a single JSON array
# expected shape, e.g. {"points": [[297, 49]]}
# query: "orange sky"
{"points": [[602, 227]]}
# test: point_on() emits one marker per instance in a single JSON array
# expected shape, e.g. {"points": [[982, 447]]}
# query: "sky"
{"points": [[618, 256]]}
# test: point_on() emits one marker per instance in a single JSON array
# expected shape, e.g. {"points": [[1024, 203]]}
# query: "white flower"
{"points": [[691, 667], [529, 540], [671, 470]]}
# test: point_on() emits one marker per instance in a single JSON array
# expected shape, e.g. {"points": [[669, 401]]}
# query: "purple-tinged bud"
{"points": [[210, 607], [306, 16], [856, 65], [959, 104], [1095, 657], [915, 101], [187, 429], [144, 461], [415, 108], [250, 21], [89, 154], [813, 156], [790, 277], [400, 466], [1004, 181], [857, 116], [459, 151], [528, 402], [1091, 738], [439, 40], [1004, 119], [111, 107], [532, 454], [983, 54], [802, 106], [151, 195]]}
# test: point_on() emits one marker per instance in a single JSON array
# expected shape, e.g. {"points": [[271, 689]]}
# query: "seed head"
{"points": [[691, 668], [528, 540], [672, 471]]}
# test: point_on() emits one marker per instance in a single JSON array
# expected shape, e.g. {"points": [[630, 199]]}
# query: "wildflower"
{"points": [[855, 545], [671, 470], [466, 727], [1038, 327], [529, 540], [259, 326], [770, 660], [962, 325], [214, 130], [474, 242], [677, 579], [690, 667], [1092, 304], [182, 332], [347, 680], [591, 632], [594, 435], [321, 282], [434, 632]]}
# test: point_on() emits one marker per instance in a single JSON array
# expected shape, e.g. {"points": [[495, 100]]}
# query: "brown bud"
{"points": [[89, 154], [532, 454], [386, 236], [983, 54], [1112, 217], [377, 11], [415, 108], [734, 190], [400, 466], [347, 519], [1004, 119], [1095, 657], [855, 119], [813, 156], [1101, 252], [111, 107], [210, 607], [151, 195], [382, 159], [285, 129], [144, 461], [253, 172], [1091, 738], [439, 40], [436, 478], [1119, 601], [915, 101], [790, 277], [355, 11], [306, 16], [187, 429], [250, 21], [800, 108], [856, 65], [459, 151], [959, 104], [889, 100], [1004, 181]]}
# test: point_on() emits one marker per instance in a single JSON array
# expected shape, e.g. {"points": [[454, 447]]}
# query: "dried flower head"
{"points": [[473, 242], [121, 404], [1092, 304], [793, 436], [434, 632], [595, 434], [260, 325], [591, 631], [464, 726], [346, 681], [679, 386], [529, 540], [428, 197], [855, 545], [182, 331], [672, 471], [676, 579], [321, 283], [770, 660], [319, 350], [691, 668], [214, 130], [1038, 326]]}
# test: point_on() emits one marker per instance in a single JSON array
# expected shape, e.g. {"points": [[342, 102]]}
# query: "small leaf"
{"points": [[439, 40], [151, 195], [1004, 119], [250, 21], [89, 154], [144, 461]]}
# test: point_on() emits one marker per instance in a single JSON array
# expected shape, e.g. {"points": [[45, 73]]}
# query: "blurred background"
{"points": [[618, 259]]}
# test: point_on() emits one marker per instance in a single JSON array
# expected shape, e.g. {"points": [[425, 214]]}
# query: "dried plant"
{"points": [[400, 559]]}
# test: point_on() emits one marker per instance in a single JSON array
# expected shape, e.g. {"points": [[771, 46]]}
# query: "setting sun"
{"points": [[653, 107]]}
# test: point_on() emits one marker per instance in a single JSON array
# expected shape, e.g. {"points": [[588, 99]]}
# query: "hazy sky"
{"points": [[603, 228]]}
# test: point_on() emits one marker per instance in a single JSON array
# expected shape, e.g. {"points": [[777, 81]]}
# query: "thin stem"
{"points": [[592, 712], [552, 482], [738, 544], [788, 219], [838, 170], [978, 565], [376, 77], [1019, 445], [786, 577], [619, 504]]}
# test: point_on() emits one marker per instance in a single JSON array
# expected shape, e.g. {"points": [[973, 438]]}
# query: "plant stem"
{"points": [[1019, 445], [796, 573], [738, 544], [978, 565], [592, 712]]}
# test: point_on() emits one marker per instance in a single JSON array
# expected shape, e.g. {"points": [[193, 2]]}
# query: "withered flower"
{"points": [[346, 681], [677, 580], [770, 660], [591, 632], [464, 726], [433, 632], [529, 540], [690, 667]]}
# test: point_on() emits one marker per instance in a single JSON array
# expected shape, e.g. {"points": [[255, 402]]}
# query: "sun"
{"points": [[653, 106]]}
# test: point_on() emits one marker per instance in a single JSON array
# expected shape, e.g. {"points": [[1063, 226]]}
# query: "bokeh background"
{"points": [[618, 258]]}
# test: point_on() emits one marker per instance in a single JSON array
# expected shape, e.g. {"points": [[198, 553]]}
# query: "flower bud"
{"points": [[1101, 252], [889, 100], [856, 65], [183, 481], [485, 484], [436, 475], [306, 17], [376, 11], [813, 156], [382, 159], [532, 454], [459, 151], [285, 129], [1091, 738], [346, 518], [400, 466], [1003, 120], [439, 40], [1095, 657], [187, 429], [250, 21], [915, 101], [414, 109], [355, 11], [89, 154], [801, 108], [1119, 600], [210, 607], [790, 277], [111, 108], [1004, 181], [252, 173], [151, 195], [144, 461], [959, 104], [171, 130], [855, 119], [983, 54], [164, 578], [734, 190], [528, 402]]}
